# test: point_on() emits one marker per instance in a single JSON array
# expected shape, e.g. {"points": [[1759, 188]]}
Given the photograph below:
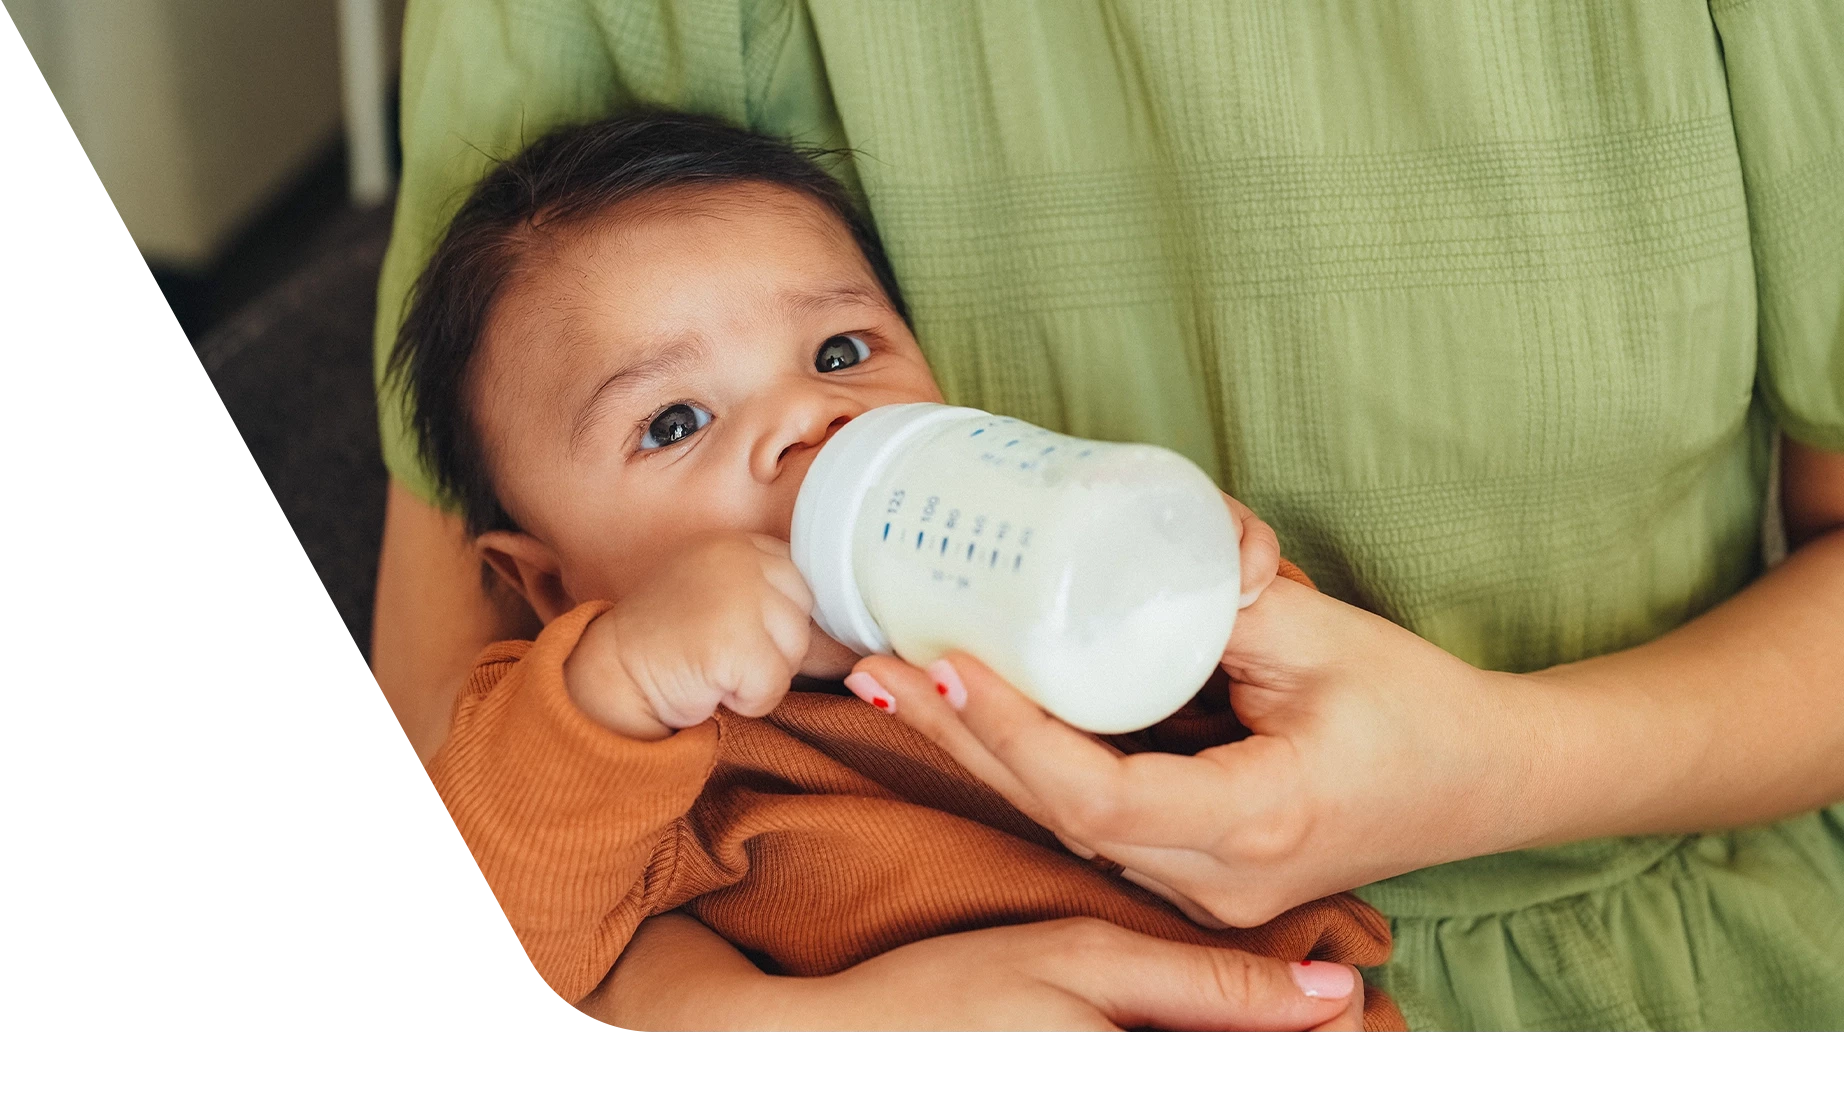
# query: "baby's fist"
{"points": [[724, 622]]}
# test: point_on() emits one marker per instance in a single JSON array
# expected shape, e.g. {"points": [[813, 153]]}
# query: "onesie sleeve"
{"points": [[578, 830], [1785, 65], [483, 79]]}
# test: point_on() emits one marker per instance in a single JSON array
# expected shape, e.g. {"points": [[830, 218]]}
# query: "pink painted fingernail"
{"points": [[1324, 980], [872, 692], [948, 685]]}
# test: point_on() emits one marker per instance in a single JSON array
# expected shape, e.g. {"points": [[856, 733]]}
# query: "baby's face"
{"points": [[674, 369]]}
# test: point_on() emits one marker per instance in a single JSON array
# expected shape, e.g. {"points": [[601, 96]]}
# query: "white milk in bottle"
{"points": [[1099, 579]]}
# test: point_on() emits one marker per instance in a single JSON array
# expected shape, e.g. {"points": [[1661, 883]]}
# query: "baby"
{"points": [[622, 359]]}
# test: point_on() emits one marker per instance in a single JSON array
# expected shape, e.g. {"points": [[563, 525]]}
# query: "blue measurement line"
{"points": [[1009, 443], [1016, 560], [944, 546], [976, 432], [918, 540], [886, 530], [969, 552], [994, 562]]}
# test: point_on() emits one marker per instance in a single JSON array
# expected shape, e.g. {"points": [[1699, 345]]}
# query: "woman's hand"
{"points": [[1070, 974], [1373, 753]]}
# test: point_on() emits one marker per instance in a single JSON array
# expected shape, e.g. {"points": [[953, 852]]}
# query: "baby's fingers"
{"points": [[789, 629], [759, 664], [779, 569], [758, 685]]}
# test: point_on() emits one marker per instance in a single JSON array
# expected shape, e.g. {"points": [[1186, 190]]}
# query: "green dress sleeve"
{"points": [[1785, 65]]}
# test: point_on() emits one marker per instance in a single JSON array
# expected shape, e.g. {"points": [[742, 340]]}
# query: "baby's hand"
{"points": [[723, 623]]}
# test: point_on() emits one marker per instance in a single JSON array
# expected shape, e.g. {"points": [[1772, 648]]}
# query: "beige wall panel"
{"points": [[193, 112]]}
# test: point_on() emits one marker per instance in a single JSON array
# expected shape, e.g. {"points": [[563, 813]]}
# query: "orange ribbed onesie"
{"points": [[812, 839]]}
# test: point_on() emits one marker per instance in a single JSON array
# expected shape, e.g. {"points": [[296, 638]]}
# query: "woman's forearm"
{"points": [[673, 970], [432, 616], [1732, 719]]}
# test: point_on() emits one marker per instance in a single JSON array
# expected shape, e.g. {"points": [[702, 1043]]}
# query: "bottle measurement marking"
{"points": [[1000, 532]]}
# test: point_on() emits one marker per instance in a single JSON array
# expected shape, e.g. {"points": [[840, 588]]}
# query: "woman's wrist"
{"points": [[1726, 721], [1531, 718], [1505, 750], [679, 975], [1585, 744]]}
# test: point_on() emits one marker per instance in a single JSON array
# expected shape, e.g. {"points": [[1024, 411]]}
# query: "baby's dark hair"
{"points": [[570, 175]]}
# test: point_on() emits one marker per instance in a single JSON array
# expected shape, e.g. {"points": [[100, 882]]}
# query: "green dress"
{"points": [[1491, 309]]}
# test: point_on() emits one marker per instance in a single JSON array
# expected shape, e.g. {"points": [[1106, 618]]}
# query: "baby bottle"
{"points": [[1099, 579]]}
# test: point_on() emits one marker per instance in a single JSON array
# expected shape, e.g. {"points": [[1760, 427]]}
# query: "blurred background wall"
{"points": [[210, 121], [249, 146]]}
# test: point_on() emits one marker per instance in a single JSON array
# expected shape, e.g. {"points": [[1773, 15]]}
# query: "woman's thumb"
{"points": [[1283, 635], [1149, 982]]}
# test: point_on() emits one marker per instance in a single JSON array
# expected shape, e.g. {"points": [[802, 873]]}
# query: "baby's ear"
{"points": [[528, 566]]}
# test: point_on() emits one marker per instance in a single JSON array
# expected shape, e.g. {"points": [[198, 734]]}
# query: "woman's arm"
{"points": [[1735, 718], [1069, 974], [432, 615], [1375, 753]]}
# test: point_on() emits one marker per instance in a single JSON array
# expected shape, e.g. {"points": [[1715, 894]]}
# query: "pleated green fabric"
{"points": [[1490, 308]]}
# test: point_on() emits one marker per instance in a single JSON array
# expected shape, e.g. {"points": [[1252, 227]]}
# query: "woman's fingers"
{"points": [[1259, 550], [1188, 825], [1193, 910], [1061, 777], [1061, 768], [1352, 1018], [1139, 981], [1290, 632], [914, 698]]}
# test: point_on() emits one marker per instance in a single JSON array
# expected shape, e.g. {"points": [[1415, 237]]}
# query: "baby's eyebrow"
{"points": [[657, 361], [806, 302]]}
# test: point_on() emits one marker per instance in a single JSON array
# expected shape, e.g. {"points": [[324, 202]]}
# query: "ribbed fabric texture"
{"points": [[820, 836]]}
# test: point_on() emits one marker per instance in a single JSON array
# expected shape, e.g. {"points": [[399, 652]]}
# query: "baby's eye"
{"points": [[673, 424], [839, 353]]}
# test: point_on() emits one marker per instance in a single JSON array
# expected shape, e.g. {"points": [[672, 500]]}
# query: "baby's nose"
{"points": [[837, 424]]}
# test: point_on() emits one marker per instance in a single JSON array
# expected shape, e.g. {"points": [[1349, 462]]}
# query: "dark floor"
{"points": [[283, 327], [275, 241]]}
